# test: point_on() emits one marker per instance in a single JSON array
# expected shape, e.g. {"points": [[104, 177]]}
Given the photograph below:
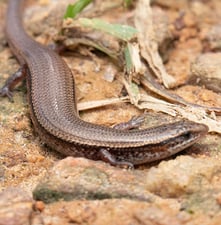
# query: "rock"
{"points": [[78, 178], [206, 71], [182, 176], [109, 212], [15, 207], [214, 37]]}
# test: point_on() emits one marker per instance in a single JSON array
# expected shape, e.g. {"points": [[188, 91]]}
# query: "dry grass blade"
{"points": [[149, 83], [148, 44], [197, 115], [96, 104]]}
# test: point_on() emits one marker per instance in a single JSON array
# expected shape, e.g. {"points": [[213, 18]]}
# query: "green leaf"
{"points": [[128, 60], [127, 2], [120, 31], [73, 10]]}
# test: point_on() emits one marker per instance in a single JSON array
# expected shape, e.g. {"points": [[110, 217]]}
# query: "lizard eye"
{"points": [[187, 135]]}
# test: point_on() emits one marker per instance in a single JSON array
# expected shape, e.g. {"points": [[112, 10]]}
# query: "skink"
{"points": [[51, 95]]}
